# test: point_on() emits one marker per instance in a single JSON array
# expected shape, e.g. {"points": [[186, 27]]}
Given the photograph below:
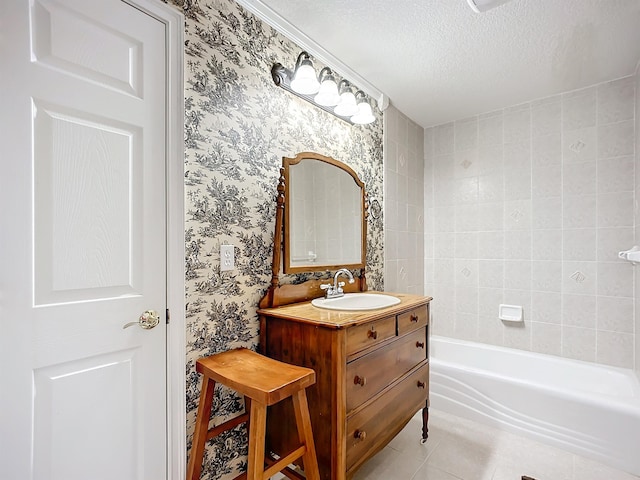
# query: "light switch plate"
{"points": [[227, 260]]}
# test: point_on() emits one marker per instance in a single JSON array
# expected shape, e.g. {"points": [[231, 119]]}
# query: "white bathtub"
{"points": [[584, 408]]}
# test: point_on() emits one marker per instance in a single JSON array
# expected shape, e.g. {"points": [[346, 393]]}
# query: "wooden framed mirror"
{"points": [[320, 226], [324, 215]]}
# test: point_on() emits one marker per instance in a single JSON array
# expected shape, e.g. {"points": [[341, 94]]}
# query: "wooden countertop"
{"points": [[306, 313]]}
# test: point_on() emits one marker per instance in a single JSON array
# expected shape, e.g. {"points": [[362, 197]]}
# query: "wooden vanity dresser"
{"points": [[372, 376]]}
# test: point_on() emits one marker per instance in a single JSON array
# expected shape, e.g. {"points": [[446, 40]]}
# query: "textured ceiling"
{"points": [[439, 61]]}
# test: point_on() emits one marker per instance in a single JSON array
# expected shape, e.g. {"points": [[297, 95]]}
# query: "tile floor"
{"points": [[459, 449]]}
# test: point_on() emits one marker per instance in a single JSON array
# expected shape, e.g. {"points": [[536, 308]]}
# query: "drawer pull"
{"points": [[419, 344], [357, 380], [360, 435], [414, 317], [421, 384], [372, 334]]}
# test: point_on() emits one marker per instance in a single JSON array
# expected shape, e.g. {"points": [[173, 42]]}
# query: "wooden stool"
{"points": [[263, 381]]}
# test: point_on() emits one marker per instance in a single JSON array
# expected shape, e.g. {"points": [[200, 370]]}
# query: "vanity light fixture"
{"points": [[323, 90]]}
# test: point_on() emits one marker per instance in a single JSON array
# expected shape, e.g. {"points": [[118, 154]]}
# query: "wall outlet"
{"points": [[227, 258]]}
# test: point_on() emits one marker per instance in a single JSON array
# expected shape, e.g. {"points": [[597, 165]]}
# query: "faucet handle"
{"points": [[341, 284], [324, 286]]}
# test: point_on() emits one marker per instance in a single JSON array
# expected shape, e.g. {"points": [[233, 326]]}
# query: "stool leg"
{"points": [[257, 432], [305, 435], [247, 410], [201, 429]]}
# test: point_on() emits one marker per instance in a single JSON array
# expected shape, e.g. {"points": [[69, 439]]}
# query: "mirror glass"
{"points": [[324, 215]]}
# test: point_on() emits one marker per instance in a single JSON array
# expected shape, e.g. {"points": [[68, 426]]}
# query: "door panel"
{"points": [[86, 207], [90, 381], [65, 38], [83, 246]]}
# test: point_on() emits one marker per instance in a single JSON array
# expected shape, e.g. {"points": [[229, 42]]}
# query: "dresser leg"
{"points": [[425, 423]]}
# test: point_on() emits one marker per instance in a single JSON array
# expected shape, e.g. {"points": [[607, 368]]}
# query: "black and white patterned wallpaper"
{"points": [[238, 126]]}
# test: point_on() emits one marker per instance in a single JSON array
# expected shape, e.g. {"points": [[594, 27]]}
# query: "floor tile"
{"points": [[429, 472], [460, 449]]}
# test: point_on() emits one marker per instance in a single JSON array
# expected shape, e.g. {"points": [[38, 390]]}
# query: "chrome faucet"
{"points": [[335, 290]]}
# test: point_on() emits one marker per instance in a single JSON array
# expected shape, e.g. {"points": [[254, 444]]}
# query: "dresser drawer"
{"points": [[369, 334], [413, 319], [372, 427], [372, 372]]}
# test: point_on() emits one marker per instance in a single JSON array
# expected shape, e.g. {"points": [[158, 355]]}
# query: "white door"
{"points": [[83, 241]]}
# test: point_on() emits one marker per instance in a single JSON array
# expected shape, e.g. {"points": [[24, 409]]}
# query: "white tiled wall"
{"points": [[529, 205], [637, 227], [403, 204]]}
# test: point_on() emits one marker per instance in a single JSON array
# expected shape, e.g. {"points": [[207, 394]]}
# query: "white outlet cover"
{"points": [[227, 258]]}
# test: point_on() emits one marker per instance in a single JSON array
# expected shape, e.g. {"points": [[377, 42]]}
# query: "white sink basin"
{"points": [[357, 301]]}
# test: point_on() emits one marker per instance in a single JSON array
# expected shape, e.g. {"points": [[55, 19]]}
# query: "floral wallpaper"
{"points": [[238, 126]]}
